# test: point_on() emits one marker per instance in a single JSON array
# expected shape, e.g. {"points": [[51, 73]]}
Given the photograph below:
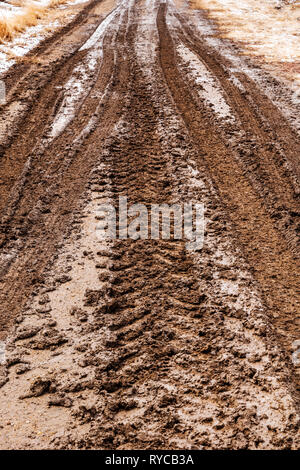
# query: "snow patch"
{"points": [[207, 86], [24, 43], [79, 85], [2, 352], [98, 34]]}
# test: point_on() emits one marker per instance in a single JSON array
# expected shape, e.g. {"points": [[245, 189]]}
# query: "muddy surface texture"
{"points": [[143, 344]]}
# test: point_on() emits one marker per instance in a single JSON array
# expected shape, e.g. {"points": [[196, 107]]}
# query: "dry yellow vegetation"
{"points": [[29, 15]]}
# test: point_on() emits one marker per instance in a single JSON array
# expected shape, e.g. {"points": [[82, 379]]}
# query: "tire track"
{"points": [[161, 382], [38, 207], [269, 162], [266, 120], [273, 264]]}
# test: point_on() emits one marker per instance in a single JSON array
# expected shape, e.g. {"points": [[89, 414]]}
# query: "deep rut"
{"points": [[39, 198], [267, 251]]}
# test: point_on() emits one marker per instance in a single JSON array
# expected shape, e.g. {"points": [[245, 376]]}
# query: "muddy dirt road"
{"points": [[124, 344]]}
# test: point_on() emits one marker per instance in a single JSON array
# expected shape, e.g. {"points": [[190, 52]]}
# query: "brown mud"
{"points": [[136, 344]]}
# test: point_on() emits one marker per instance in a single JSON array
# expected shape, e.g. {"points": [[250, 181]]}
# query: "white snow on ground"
{"points": [[26, 41], [98, 34], [268, 28], [77, 2], [23, 44], [206, 84], [147, 37], [2, 352], [7, 9], [74, 89], [288, 100], [83, 76]]}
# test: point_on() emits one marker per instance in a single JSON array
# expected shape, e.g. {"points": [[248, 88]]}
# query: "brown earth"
{"points": [[134, 344]]}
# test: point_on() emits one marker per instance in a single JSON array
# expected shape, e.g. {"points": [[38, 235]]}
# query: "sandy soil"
{"points": [[142, 344]]}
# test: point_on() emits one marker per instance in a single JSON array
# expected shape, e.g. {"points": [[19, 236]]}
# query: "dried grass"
{"points": [[29, 15]]}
